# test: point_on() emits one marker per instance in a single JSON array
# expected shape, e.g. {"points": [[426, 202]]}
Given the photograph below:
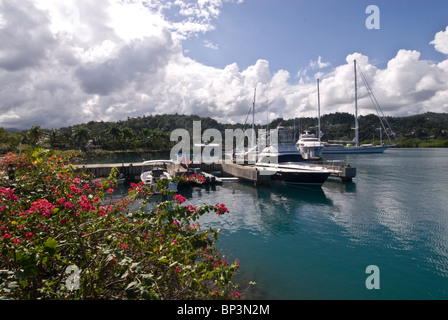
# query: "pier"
{"points": [[345, 173], [132, 171]]}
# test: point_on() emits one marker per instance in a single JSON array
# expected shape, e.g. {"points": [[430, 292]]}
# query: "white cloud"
{"points": [[210, 45], [73, 61], [440, 41], [319, 64]]}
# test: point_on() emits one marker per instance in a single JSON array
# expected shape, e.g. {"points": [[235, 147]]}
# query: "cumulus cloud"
{"points": [[74, 61], [25, 39], [440, 41]]}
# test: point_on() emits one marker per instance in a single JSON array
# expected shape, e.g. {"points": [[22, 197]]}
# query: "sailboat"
{"points": [[345, 147], [309, 144]]}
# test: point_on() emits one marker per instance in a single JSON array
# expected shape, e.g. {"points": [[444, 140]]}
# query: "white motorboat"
{"points": [[155, 170], [310, 146], [285, 164]]}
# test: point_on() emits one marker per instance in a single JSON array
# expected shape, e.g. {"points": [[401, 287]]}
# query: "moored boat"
{"points": [[155, 170], [285, 164]]}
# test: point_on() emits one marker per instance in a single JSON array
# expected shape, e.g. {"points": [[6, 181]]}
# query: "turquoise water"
{"points": [[299, 243]]}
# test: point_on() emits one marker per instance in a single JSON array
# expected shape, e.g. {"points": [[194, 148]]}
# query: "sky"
{"points": [[70, 62]]}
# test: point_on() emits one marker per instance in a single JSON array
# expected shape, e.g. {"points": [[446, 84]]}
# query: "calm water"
{"points": [[316, 243], [299, 243]]}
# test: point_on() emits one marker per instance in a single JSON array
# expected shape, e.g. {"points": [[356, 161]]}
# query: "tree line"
{"points": [[153, 132]]}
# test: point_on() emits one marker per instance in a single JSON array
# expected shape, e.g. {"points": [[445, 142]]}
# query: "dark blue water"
{"points": [[299, 243]]}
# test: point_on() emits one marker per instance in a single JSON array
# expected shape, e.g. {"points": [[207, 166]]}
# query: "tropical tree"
{"points": [[80, 136], [115, 132], [128, 134], [35, 134]]}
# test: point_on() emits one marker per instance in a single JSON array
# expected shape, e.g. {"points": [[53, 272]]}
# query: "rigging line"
{"points": [[377, 107], [248, 114], [375, 101]]}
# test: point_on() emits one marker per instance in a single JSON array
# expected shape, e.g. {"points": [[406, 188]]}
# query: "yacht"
{"points": [[285, 164], [310, 146], [347, 147], [339, 148]]}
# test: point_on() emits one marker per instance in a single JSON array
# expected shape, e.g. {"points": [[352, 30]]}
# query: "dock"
{"points": [[130, 170], [344, 172], [228, 171]]}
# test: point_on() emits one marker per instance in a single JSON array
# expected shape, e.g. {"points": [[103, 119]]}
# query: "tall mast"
{"points": [[356, 109], [253, 119], [318, 109]]}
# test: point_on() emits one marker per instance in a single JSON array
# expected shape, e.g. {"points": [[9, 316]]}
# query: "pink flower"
{"points": [[29, 235], [191, 208], [221, 209], [179, 199], [236, 294], [124, 246], [68, 205], [176, 223]]}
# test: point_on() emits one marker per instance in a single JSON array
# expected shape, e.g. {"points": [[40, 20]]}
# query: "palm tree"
{"points": [[115, 132], [35, 134], [54, 138], [80, 136], [128, 134]]}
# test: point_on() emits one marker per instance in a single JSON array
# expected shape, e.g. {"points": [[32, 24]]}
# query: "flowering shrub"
{"points": [[62, 236]]}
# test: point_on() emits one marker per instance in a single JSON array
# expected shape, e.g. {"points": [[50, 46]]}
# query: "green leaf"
{"points": [[163, 260], [133, 290], [50, 245], [147, 279]]}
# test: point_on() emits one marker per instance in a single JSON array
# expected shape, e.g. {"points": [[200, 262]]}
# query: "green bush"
{"points": [[63, 236]]}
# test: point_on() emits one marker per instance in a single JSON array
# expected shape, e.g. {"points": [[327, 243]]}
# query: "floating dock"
{"points": [[345, 173], [132, 171]]}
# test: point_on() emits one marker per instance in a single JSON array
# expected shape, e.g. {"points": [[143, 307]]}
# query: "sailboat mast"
{"points": [[253, 119], [318, 110], [356, 108]]}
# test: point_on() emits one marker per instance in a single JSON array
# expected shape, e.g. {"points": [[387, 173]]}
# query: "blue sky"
{"points": [[291, 33], [69, 62]]}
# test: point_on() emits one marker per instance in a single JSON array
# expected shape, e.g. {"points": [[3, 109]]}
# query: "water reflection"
{"points": [[264, 210], [298, 242]]}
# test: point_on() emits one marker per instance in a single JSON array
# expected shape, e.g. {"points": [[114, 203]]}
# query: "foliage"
{"points": [[64, 236], [153, 132], [9, 141]]}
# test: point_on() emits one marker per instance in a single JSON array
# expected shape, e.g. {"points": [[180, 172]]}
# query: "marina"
{"points": [[303, 243], [316, 243], [226, 171]]}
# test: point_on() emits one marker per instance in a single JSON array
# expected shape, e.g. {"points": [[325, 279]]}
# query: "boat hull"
{"points": [[295, 173], [301, 178], [353, 150]]}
